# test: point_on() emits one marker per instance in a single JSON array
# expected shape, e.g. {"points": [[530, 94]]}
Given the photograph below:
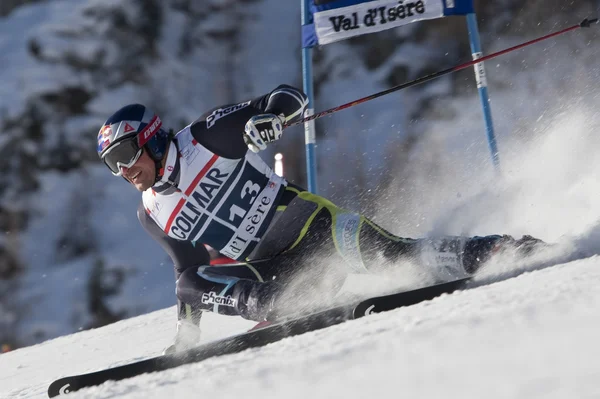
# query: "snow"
{"points": [[530, 336], [22, 76], [66, 27]]}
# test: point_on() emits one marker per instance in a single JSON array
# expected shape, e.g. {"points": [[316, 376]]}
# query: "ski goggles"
{"points": [[122, 154]]}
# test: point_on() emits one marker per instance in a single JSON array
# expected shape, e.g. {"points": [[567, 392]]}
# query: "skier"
{"points": [[207, 185]]}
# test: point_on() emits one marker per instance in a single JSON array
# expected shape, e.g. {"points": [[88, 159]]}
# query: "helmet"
{"points": [[126, 134]]}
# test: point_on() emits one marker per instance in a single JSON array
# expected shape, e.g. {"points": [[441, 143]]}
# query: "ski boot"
{"points": [[454, 257], [479, 250]]}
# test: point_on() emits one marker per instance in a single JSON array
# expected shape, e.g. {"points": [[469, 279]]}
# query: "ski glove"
{"points": [[263, 129]]}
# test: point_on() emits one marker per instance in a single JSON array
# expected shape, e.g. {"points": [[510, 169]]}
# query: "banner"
{"points": [[335, 20]]}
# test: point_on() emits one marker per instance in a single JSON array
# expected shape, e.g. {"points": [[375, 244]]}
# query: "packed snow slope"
{"points": [[530, 336], [529, 328], [81, 259]]}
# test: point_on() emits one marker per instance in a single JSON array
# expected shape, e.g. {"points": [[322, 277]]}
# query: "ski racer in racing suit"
{"points": [[207, 185]]}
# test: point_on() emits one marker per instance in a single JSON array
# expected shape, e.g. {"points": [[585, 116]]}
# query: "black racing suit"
{"points": [[311, 245]]}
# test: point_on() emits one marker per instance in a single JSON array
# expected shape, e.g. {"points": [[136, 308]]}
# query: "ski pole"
{"points": [[586, 23]]}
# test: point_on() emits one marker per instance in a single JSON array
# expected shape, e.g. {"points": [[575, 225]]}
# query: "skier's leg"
{"points": [[284, 269], [229, 290], [314, 230], [362, 243], [299, 257], [445, 257], [357, 241]]}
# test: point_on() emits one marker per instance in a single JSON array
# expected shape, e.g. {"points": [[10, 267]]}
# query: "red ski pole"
{"points": [[586, 23]]}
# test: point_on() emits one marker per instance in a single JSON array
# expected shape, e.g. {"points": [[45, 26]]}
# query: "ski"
{"points": [[256, 337], [393, 301]]}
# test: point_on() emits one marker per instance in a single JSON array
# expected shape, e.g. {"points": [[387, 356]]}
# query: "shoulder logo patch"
{"points": [[221, 112]]}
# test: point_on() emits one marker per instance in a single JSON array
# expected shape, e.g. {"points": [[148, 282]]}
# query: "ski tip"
{"points": [[61, 386], [407, 298]]}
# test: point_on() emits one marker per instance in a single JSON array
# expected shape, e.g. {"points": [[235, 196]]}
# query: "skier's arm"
{"points": [[221, 130], [183, 253], [284, 100]]}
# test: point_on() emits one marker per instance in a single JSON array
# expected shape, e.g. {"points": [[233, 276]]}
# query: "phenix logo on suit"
{"points": [[211, 298]]}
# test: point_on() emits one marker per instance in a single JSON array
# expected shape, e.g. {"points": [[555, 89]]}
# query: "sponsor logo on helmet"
{"points": [[128, 128], [212, 298], [106, 131], [104, 144], [150, 129], [221, 112], [103, 138]]}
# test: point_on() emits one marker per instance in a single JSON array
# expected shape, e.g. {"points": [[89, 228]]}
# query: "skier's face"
{"points": [[142, 173]]}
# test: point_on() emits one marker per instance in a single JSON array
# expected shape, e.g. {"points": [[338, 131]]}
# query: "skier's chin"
{"points": [[141, 186]]}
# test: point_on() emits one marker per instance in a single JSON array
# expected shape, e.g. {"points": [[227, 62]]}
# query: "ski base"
{"points": [[256, 337]]}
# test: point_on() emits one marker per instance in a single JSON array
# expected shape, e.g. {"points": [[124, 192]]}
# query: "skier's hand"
{"points": [[263, 129]]}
